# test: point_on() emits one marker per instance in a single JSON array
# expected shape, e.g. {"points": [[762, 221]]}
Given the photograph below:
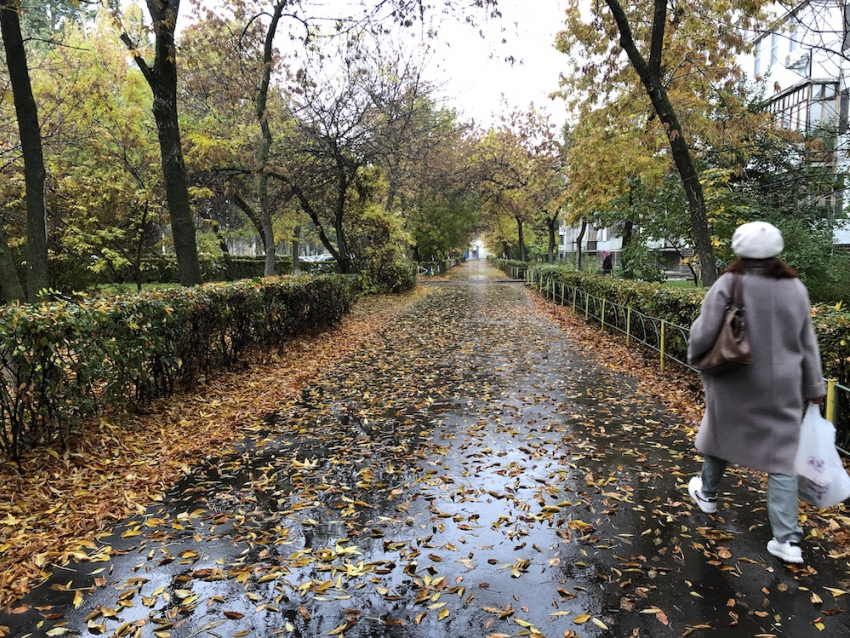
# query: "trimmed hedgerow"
{"points": [[681, 306], [61, 362]]}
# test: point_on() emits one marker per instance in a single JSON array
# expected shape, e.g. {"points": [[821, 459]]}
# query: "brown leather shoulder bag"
{"points": [[731, 348]]}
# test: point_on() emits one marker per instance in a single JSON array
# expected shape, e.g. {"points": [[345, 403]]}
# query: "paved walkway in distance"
{"points": [[468, 473]]}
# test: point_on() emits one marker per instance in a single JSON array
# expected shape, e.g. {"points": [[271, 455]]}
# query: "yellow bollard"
{"points": [[586, 307], [830, 400], [661, 349]]}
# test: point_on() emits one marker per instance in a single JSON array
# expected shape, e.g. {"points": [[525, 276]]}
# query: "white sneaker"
{"points": [[789, 551], [707, 505]]}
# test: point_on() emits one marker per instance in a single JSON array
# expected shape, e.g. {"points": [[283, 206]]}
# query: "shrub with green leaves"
{"points": [[509, 266], [393, 274], [681, 306], [64, 361]]}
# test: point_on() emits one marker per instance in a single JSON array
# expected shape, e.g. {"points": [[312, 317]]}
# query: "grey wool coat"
{"points": [[753, 414]]}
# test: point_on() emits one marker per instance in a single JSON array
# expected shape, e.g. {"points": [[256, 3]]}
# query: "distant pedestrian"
{"points": [[607, 262], [753, 414]]}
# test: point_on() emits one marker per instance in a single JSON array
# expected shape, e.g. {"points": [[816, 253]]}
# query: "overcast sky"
{"points": [[477, 75], [473, 70]]}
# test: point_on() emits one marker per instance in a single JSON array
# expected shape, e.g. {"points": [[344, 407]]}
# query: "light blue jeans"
{"points": [[782, 505]]}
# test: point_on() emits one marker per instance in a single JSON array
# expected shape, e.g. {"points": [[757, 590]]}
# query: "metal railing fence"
{"points": [[667, 339]]}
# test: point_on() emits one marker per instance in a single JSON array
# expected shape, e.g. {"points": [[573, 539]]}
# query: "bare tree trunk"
{"points": [[265, 146], [30, 134], [628, 229], [650, 76], [137, 257], [10, 283], [343, 258], [162, 79], [269, 246], [176, 183], [296, 247], [521, 238], [550, 222], [579, 239]]}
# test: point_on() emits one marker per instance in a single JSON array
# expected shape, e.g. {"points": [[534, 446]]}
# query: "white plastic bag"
{"points": [[821, 478]]}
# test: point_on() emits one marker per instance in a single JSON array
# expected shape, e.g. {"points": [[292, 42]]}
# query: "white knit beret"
{"points": [[757, 240]]}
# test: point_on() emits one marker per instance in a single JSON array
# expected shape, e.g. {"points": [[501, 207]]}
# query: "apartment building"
{"points": [[803, 57], [804, 60]]}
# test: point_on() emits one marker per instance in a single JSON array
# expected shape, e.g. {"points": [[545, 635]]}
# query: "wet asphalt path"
{"points": [[468, 473]]}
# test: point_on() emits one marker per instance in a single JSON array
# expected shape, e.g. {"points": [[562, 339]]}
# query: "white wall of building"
{"points": [[804, 62]]}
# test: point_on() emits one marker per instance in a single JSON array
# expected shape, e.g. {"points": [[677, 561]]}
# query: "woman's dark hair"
{"points": [[772, 268]]}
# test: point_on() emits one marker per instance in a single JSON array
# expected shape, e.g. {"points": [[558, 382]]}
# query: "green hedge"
{"points": [[68, 275], [681, 306], [510, 266], [393, 277], [61, 362]]}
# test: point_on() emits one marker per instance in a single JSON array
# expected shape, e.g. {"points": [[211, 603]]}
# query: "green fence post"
{"points": [[830, 400], [661, 349], [575, 292], [628, 326]]}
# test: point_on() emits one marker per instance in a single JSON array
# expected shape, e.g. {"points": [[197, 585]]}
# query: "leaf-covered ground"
{"points": [[51, 509], [480, 464]]}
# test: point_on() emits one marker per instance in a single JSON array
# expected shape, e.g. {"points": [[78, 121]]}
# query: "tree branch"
{"points": [[656, 45]]}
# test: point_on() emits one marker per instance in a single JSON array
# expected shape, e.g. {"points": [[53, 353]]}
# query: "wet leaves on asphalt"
{"points": [[467, 471]]}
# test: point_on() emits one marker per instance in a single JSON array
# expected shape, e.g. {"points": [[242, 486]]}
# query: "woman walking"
{"points": [[753, 414]]}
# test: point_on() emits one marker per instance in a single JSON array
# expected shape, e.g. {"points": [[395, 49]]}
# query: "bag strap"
{"points": [[737, 293]]}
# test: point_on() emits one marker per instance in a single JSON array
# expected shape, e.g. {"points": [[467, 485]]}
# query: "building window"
{"points": [[757, 54], [774, 48], [823, 107], [809, 107]]}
